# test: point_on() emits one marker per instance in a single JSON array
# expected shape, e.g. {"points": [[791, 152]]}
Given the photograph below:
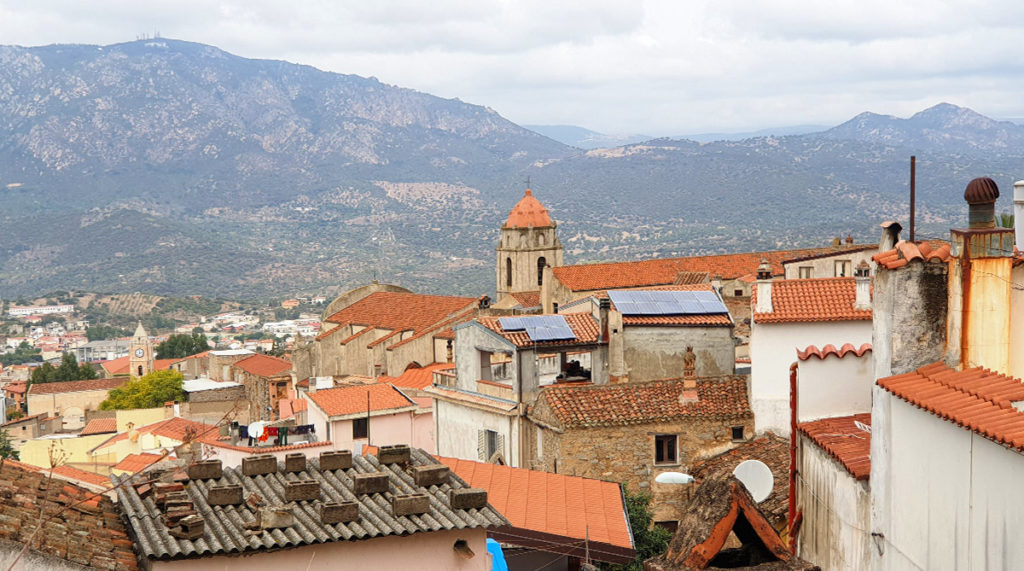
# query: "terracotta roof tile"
{"points": [[133, 463], [977, 399], [583, 326], [100, 426], [827, 350], [264, 365], [528, 212], [822, 299], [225, 442], [355, 399], [527, 298], [771, 449], [905, 252], [75, 386], [665, 271], [175, 428], [397, 312], [78, 475], [120, 366], [640, 403], [844, 440], [570, 506], [419, 377], [440, 330]]}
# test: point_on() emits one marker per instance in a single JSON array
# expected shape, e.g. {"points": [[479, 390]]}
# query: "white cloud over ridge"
{"points": [[656, 67]]}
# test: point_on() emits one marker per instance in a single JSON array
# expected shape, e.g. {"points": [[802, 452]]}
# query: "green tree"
{"points": [[1006, 220], [23, 353], [7, 447], [148, 391], [649, 540], [69, 370], [99, 332], [181, 345]]}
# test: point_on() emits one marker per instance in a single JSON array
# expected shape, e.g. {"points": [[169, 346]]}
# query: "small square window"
{"points": [[665, 449], [737, 433], [360, 427], [737, 293], [806, 272]]}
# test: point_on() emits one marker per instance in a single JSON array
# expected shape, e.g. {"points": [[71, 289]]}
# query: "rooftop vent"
{"points": [[981, 194]]}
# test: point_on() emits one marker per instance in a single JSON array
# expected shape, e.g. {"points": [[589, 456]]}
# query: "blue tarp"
{"points": [[497, 557]]}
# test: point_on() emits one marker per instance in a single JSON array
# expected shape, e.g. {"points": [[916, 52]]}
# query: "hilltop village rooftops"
{"points": [[675, 320], [665, 271], [120, 367], [819, 299], [75, 386], [418, 377], [100, 426], [399, 311], [583, 326], [977, 399], [381, 398], [649, 402], [845, 438], [335, 497]]}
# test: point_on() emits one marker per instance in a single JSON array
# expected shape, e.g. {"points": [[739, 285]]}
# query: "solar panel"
{"points": [[659, 302], [511, 323]]}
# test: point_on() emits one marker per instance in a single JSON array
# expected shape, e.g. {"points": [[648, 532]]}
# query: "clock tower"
{"points": [[141, 357]]}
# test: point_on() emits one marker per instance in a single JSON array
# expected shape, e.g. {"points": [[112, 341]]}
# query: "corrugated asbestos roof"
{"points": [[225, 526]]}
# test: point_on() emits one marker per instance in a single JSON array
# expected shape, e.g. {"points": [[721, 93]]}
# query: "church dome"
{"points": [[528, 212]]}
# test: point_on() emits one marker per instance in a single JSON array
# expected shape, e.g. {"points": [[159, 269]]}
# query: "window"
{"points": [[360, 428], [541, 262], [508, 272], [806, 272], [737, 293], [665, 449], [490, 446], [843, 268], [737, 433]]}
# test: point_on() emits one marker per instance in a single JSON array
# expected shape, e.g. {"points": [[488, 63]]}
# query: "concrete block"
{"points": [[302, 490], [433, 475], [259, 464], [339, 512], [374, 482], [205, 470], [336, 460], [468, 498], [274, 517], [410, 504], [227, 495], [393, 454], [295, 462]]}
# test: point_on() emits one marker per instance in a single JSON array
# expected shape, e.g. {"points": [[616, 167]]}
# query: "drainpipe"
{"points": [[794, 517]]}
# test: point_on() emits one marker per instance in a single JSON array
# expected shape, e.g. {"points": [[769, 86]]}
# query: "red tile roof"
{"points": [[225, 442], [100, 426], [355, 399], [641, 403], [665, 271], [528, 212], [83, 527], [75, 386], [138, 462], [419, 377], [977, 399], [77, 475], [583, 326], [527, 298], [821, 299], [175, 428], [120, 366], [844, 440], [263, 365], [440, 330], [16, 387], [847, 348], [771, 449], [845, 250], [400, 311], [906, 252], [558, 504]]}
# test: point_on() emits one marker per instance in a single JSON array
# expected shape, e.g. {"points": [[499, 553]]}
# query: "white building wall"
{"points": [[944, 497], [773, 349], [458, 430], [1017, 323], [835, 386], [836, 512]]}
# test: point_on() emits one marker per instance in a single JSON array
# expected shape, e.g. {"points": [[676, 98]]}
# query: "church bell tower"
{"points": [[141, 357], [528, 244]]}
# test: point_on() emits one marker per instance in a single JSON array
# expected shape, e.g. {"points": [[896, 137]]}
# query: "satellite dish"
{"points": [[673, 478], [256, 429], [757, 477]]}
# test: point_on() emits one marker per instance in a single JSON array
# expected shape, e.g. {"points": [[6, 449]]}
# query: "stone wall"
{"points": [[652, 353]]}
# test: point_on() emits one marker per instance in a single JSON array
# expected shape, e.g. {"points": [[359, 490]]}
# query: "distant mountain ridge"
{"points": [[175, 168]]}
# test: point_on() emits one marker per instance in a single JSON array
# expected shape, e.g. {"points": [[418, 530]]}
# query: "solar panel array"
{"points": [[658, 302], [539, 327]]}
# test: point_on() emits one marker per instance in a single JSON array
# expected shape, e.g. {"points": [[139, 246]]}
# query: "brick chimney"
{"points": [[862, 276], [764, 287]]}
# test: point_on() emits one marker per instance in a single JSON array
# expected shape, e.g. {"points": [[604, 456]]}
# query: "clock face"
{"points": [[139, 352]]}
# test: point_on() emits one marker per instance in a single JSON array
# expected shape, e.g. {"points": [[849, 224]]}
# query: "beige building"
{"points": [[70, 399], [266, 380]]}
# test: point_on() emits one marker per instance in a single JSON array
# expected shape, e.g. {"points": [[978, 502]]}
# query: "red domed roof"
{"points": [[528, 212]]}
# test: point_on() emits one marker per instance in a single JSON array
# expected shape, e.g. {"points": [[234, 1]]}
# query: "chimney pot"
{"points": [[764, 288], [862, 279]]}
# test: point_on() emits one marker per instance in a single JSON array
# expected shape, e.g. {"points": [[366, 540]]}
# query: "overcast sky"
{"points": [[654, 67]]}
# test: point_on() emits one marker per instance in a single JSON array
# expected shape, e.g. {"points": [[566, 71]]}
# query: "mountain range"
{"points": [[170, 167]]}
